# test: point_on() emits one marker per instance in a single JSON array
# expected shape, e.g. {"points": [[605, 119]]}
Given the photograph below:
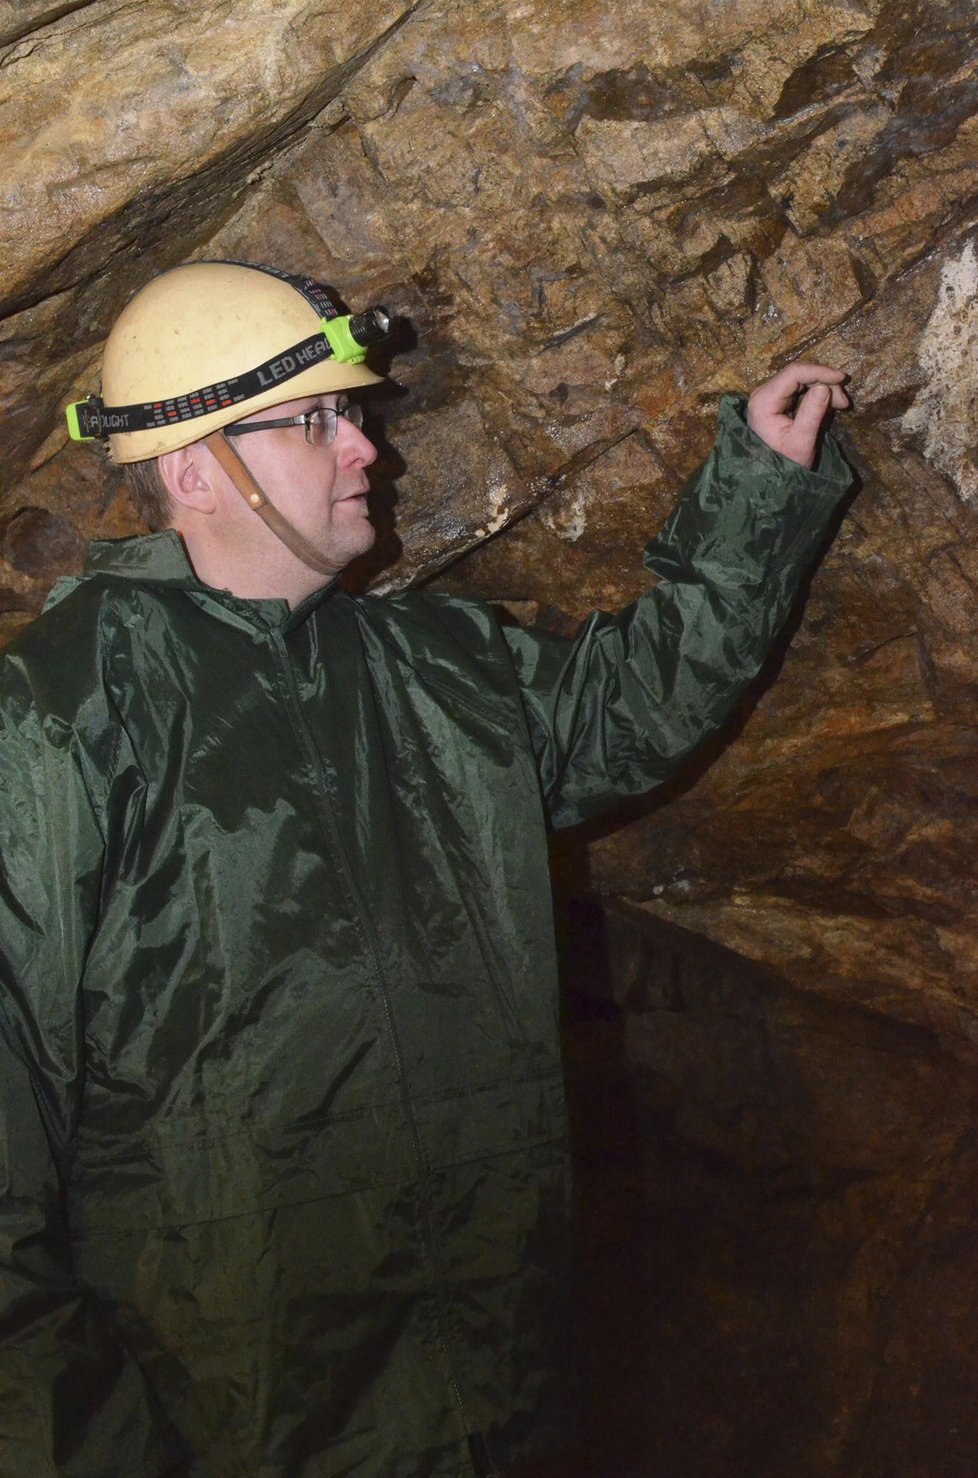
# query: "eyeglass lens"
{"points": [[321, 424]]}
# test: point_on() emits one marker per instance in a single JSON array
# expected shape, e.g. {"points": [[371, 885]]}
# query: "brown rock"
{"points": [[38, 542]]}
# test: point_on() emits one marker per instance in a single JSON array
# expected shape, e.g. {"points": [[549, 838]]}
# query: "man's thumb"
{"points": [[812, 407]]}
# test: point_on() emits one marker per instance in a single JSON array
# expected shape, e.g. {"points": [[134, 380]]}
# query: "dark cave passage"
{"points": [[772, 1194]]}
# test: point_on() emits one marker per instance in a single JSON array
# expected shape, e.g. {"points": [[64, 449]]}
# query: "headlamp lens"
{"points": [[371, 327]]}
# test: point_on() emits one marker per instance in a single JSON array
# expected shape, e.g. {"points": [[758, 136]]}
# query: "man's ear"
{"points": [[186, 476]]}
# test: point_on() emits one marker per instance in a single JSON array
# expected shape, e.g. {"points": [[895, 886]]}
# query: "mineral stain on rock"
{"points": [[945, 411], [633, 95]]}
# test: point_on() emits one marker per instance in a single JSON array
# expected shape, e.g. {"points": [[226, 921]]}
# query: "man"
{"points": [[284, 1167]]}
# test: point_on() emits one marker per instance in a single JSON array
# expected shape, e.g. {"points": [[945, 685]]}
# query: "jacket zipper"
{"points": [[334, 841]]}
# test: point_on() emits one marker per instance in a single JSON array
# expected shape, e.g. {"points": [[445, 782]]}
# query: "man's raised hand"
{"points": [[787, 411]]}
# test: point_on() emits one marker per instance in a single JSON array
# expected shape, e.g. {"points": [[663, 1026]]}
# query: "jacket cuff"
{"points": [[830, 476]]}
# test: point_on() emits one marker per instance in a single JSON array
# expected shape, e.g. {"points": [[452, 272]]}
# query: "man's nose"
{"points": [[353, 444]]}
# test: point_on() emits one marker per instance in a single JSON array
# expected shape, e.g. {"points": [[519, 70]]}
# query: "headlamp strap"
{"points": [[92, 418], [314, 293]]}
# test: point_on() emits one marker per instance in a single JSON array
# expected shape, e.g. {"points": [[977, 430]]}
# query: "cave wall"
{"points": [[592, 219], [776, 1221]]}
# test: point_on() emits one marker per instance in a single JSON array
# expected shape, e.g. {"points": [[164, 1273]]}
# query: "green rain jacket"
{"points": [[283, 1153]]}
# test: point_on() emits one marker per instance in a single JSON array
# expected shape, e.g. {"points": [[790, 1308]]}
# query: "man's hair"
{"points": [[149, 494]]}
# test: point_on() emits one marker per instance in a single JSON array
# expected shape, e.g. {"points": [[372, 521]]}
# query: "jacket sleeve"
{"points": [[72, 1402], [617, 710]]}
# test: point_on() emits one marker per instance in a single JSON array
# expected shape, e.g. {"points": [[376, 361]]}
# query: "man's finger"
{"points": [[777, 394]]}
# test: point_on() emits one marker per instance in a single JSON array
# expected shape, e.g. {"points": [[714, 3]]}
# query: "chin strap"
{"points": [[258, 500]]}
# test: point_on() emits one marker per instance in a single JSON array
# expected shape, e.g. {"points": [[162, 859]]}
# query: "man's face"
{"points": [[321, 490]]}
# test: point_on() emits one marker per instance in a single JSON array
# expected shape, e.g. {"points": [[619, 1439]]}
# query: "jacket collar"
{"points": [[161, 559], [156, 559]]}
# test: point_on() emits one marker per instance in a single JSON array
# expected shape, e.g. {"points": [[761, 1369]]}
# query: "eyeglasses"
{"points": [[319, 424]]}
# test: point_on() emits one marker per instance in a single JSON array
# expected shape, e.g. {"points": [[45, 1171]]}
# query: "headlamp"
{"points": [[352, 334]]}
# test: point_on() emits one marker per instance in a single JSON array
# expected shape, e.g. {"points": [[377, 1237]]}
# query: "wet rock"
{"points": [[38, 542]]}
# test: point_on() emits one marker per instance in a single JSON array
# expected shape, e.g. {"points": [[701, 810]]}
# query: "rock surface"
{"points": [[591, 219]]}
